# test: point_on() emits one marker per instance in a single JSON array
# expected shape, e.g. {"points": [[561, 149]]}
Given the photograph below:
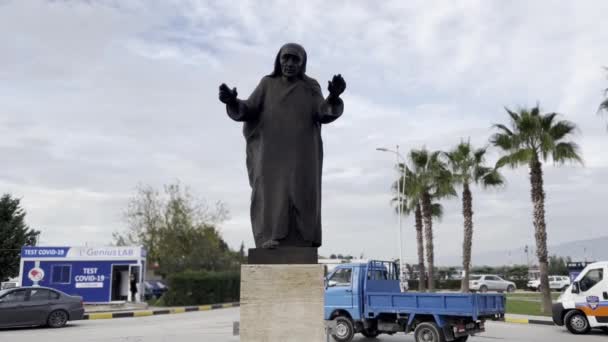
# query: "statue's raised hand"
{"points": [[227, 95], [336, 86]]}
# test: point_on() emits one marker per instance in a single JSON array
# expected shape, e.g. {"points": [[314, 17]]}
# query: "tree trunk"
{"points": [[467, 213], [420, 240], [428, 237], [540, 231]]}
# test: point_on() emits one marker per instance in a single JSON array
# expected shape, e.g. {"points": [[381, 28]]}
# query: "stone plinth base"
{"points": [[282, 303]]}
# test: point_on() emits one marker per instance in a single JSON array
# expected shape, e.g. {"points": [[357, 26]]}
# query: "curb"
{"points": [[527, 321], [144, 313]]}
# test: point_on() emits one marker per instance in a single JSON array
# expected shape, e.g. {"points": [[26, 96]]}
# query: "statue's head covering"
{"points": [[292, 48]]}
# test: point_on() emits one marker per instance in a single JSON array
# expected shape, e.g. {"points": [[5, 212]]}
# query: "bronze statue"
{"points": [[282, 128]]}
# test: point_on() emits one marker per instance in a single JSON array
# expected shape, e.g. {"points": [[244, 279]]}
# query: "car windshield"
{"points": [[475, 277]]}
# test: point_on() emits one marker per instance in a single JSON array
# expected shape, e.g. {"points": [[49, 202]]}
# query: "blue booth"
{"points": [[98, 274]]}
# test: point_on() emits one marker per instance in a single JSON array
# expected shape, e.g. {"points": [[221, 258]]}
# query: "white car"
{"points": [[557, 283], [490, 282], [9, 284]]}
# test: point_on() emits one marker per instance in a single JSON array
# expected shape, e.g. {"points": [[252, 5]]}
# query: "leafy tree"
{"points": [[178, 231], [558, 265], [467, 165], [517, 272], [531, 139], [333, 256], [14, 234]]}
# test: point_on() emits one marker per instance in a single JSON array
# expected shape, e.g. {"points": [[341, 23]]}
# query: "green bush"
{"points": [[199, 288]]}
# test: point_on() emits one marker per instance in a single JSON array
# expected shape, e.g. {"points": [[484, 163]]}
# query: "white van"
{"points": [[584, 304]]}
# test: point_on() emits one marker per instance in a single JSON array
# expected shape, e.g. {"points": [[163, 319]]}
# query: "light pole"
{"points": [[399, 206]]}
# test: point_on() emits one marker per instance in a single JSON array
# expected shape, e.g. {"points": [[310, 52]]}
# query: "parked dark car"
{"points": [[35, 306]]}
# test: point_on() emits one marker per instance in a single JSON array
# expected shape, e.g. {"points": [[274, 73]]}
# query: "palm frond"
{"points": [[535, 110], [492, 178], [503, 141], [419, 158], [479, 155], [503, 128], [406, 206], [515, 159], [547, 144], [437, 211], [480, 172], [561, 129], [528, 125], [604, 105], [547, 120], [567, 152], [514, 116]]}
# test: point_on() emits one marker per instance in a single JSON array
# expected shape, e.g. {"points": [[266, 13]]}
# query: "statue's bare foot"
{"points": [[270, 244]]}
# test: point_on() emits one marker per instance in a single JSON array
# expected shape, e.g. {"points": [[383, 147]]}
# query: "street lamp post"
{"points": [[399, 209]]}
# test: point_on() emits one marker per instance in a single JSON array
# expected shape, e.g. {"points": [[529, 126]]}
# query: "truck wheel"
{"points": [[483, 289], [428, 332], [369, 333], [344, 330], [511, 289], [576, 322]]}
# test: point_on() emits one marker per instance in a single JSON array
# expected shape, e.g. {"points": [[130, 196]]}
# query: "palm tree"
{"points": [[433, 181], [534, 138], [410, 203], [467, 167], [604, 105]]}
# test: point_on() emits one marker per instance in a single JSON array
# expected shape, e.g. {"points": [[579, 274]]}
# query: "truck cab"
{"points": [[584, 304], [366, 298]]}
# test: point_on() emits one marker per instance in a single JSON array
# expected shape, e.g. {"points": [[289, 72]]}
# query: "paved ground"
{"points": [[216, 326]]}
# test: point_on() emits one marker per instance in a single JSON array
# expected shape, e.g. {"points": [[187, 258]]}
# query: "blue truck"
{"points": [[366, 298]]}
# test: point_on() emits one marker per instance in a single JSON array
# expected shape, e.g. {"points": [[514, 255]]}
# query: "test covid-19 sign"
{"points": [[82, 253]]}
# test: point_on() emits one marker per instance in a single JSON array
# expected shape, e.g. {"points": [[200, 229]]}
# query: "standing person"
{"points": [[133, 283]]}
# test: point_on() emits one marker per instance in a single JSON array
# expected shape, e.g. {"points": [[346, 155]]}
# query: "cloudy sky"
{"points": [[97, 97]]}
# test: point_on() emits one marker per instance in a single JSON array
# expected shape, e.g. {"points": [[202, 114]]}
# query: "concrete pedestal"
{"points": [[282, 303]]}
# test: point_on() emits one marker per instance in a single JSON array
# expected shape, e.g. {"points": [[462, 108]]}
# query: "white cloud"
{"points": [[96, 97]]}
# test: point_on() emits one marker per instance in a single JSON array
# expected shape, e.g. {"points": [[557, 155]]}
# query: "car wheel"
{"points": [[428, 332], [511, 289], [483, 289], [344, 330], [577, 322], [57, 319]]}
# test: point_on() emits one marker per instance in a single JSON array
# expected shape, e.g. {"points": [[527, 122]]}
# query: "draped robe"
{"points": [[282, 128]]}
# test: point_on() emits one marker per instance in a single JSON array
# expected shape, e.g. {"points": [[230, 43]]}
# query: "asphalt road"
{"points": [[216, 326]]}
